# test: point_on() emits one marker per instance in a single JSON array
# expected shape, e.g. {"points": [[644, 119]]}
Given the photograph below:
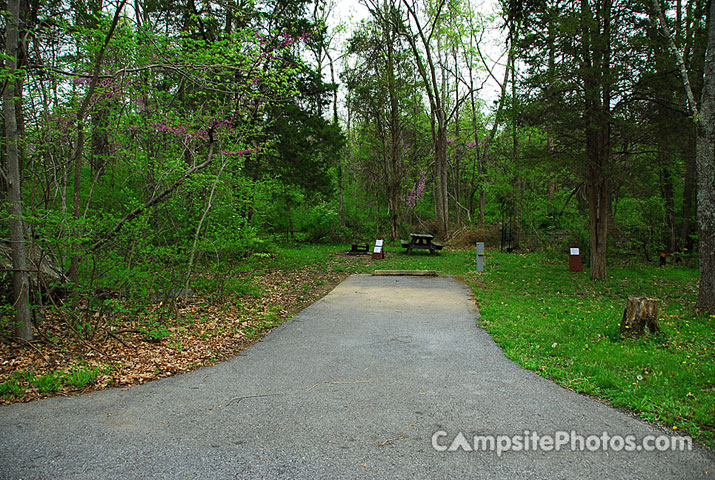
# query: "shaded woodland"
{"points": [[149, 144]]}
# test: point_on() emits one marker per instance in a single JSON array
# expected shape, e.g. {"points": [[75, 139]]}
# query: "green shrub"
{"points": [[320, 222]]}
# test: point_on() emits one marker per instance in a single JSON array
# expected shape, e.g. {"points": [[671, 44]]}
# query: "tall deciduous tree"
{"points": [[13, 82], [423, 48], [379, 87], [704, 115], [583, 91]]}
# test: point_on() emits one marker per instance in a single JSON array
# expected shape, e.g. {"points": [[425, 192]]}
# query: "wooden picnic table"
{"points": [[421, 241]]}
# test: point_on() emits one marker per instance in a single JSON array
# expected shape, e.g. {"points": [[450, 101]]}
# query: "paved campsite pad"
{"points": [[352, 387]]}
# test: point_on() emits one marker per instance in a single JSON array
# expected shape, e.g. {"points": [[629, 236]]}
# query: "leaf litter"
{"points": [[192, 332]]}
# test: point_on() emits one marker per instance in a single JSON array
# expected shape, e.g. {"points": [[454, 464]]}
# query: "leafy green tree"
{"points": [[185, 109], [13, 79], [380, 86], [704, 115], [583, 95]]}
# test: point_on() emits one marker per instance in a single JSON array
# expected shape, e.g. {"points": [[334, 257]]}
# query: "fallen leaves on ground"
{"points": [[188, 334]]}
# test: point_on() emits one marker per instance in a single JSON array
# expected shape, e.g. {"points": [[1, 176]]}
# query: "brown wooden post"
{"points": [[378, 252], [575, 264]]}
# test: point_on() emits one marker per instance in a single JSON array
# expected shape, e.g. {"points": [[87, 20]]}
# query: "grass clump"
{"points": [[49, 382], [80, 377]]}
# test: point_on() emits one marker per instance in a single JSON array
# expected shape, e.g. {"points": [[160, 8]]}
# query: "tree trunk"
{"points": [[457, 175], [595, 73], [705, 168], [20, 282], [335, 122], [77, 188], [209, 205], [394, 176], [479, 164], [440, 157], [666, 181], [688, 193], [640, 313], [704, 155], [598, 221], [515, 155], [426, 65]]}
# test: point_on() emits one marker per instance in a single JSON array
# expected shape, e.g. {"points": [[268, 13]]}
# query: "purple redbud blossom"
{"points": [[417, 191]]}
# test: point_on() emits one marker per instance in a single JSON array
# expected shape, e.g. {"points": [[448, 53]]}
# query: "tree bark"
{"points": [[640, 313], [597, 116], [705, 168], [704, 116], [689, 187], [21, 283], [666, 182], [598, 192]]}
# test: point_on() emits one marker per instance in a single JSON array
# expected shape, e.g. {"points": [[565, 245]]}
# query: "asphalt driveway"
{"points": [[359, 385]]}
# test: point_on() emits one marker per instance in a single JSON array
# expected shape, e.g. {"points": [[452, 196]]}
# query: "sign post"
{"points": [[575, 260], [377, 252], [480, 257]]}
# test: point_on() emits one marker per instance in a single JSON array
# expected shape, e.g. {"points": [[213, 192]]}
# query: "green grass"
{"points": [[50, 382], [554, 322], [11, 388], [565, 327], [79, 377]]}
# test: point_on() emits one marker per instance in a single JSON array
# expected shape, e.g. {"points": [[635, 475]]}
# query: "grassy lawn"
{"points": [[565, 327]]}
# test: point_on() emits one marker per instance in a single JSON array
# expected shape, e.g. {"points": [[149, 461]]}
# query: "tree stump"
{"points": [[640, 313]]}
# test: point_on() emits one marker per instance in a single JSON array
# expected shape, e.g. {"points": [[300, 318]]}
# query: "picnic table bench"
{"points": [[359, 248], [423, 241]]}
